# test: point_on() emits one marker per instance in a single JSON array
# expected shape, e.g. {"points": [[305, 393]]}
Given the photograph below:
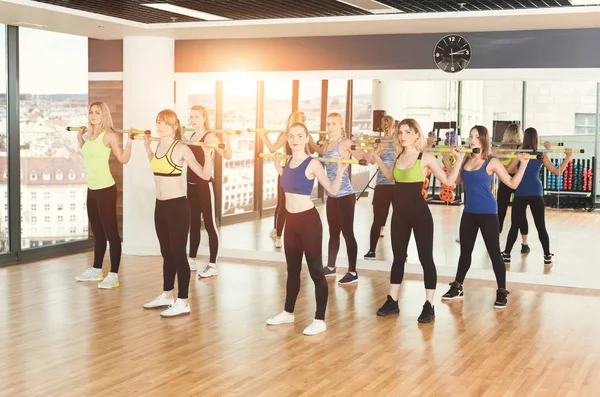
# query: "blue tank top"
{"points": [[294, 180], [479, 198], [388, 159], [531, 184], [331, 169]]}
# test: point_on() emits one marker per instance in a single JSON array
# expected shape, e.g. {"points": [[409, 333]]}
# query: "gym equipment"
{"points": [[321, 159], [225, 132], [129, 131], [451, 150], [434, 190], [541, 150], [190, 143], [573, 189]]}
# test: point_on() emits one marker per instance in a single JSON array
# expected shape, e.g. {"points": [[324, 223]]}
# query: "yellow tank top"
{"points": [[409, 175], [165, 166], [95, 163]]}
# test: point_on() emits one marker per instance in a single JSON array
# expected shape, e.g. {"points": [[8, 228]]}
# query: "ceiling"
{"points": [[115, 19], [132, 10]]}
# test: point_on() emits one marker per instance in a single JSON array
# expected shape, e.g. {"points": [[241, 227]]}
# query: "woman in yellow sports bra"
{"points": [[411, 212], [101, 201], [172, 212]]}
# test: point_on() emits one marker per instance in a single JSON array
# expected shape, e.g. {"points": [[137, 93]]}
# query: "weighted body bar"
{"points": [[190, 143], [519, 143], [355, 147], [321, 159], [514, 156], [271, 131], [226, 132], [541, 150], [450, 150], [130, 131]]}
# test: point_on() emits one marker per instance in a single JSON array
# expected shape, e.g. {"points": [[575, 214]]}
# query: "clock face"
{"points": [[452, 53]]}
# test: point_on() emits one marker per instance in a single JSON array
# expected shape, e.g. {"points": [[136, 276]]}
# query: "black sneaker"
{"points": [[548, 259], [370, 255], [505, 257], [455, 291], [389, 307], [327, 272], [501, 300], [349, 278], [428, 313], [525, 249]]}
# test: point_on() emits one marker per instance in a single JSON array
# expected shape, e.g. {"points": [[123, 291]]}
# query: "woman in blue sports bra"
{"points": [[303, 228], [481, 212], [172, 212], [411, 213], [340, 206]]}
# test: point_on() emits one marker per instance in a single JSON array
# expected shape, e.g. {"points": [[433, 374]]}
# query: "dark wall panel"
{"points": [[522, 49], [105, 55]]}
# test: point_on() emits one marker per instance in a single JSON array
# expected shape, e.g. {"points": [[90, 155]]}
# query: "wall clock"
{"points": [[452, 53]]}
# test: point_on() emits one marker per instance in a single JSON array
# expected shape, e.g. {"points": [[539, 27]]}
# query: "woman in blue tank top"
{"points": [[529, 193], [481, 212], [384, 190], [340, 206]]}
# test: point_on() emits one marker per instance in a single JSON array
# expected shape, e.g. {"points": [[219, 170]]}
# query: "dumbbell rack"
{"points": [[575, 188], [434, 188]]}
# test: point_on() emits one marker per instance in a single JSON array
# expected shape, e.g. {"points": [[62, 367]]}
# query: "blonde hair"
{"points": [[295, 118], [107, 122], [416, 128], [512, 134], [204, 113], [335, 114], [170, 117], [387, 122]]}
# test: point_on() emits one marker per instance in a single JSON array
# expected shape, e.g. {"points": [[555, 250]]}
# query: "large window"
{"points": [[239, 112], [54, 95], [3, 145], [362, 122], [309, 102], [278, 106]]}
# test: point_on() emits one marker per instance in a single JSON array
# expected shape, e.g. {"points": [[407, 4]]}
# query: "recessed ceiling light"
{"points": [[372, 6], [186, 11], [29, 24], [584, 2]]}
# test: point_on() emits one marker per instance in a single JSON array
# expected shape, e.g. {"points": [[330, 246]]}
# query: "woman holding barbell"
{"points": [[172, 211], [101, 202], [480, 211], [411, 212]]}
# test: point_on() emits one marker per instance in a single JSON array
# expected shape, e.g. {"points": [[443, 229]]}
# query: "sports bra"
{"points": [[164, 166], [294, 180], [409, 175], [199, 155]]}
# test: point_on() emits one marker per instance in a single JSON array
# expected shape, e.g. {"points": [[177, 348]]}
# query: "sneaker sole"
{"points": [[499, 307], [348, 282], [109, 287], [90, 279], [449, 298], [313, 333], [387, 314], [426, 321], [370, 259], [331, 275], [156, 307], [207, 275], [176, 315], [285, 322]]}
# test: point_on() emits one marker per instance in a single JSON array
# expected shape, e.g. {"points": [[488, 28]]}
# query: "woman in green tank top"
{"points": [[101, 141]]}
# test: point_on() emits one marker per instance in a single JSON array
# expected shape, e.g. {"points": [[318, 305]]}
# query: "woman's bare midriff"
{"points": [[169, 187], [295, 203]]}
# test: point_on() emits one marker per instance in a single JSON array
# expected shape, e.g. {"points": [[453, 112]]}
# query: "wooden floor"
{"points": [[571, 234], [62, 338]]}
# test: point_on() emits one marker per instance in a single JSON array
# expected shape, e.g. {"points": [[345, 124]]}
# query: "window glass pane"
{"points": [[278, 106], [54, 95], [3, 142], [362, 121], [309, 102], [239, 112]]}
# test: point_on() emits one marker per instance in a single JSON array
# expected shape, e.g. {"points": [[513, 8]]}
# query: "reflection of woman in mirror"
{"points": [[480, 212], [513, 138], [411, 212], [384, 189], [303, 229], [281, 142], [200, 192], [340, 206], [529, 193]]}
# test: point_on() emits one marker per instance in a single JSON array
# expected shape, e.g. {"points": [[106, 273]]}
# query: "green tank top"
{"points": [[409, 175], [95, 163]]}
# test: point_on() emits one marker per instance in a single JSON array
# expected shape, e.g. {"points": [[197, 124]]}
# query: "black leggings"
{"points": [[470, 224], [382, 198], [201, 197], [102, 214], [519, 207], [304, 235], [280, 210], [172, 222], [503, 198], [411, 213], [340, 217]]}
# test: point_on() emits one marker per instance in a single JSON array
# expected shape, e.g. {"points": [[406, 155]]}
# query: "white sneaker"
{"points": [[316, 327], [91, 274], [160, 301], [273, 233], [277, 243], [110, 281], [192, 262], [281, 318], [209, 271], [176, 309]]}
